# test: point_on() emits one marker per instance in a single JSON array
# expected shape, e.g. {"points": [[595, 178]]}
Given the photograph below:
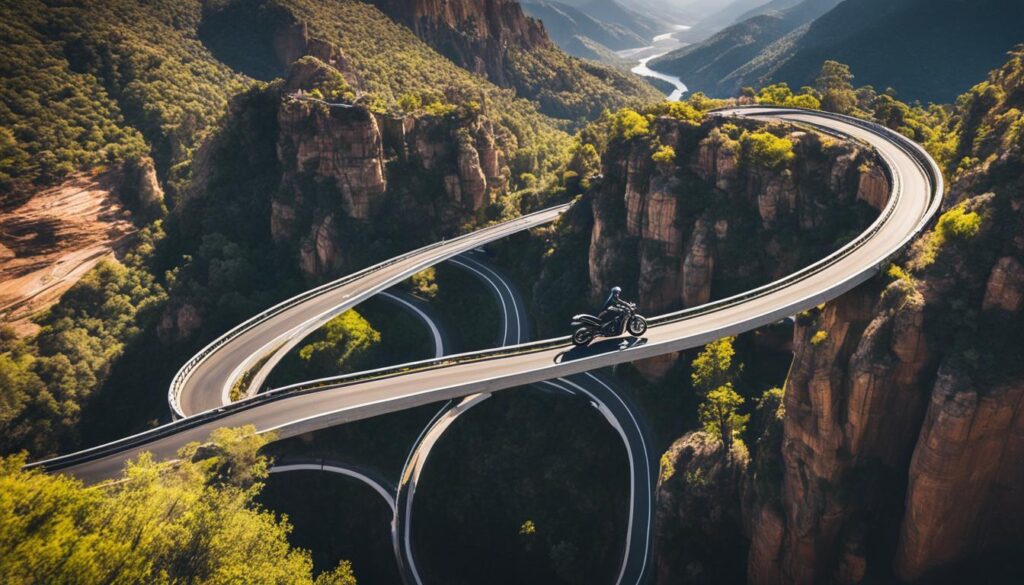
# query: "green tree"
{"points": [[835, 84], [161, 523], [720, 417], [629, 124], [345, 342], [714, 366], [665, 156], [766, 149]]}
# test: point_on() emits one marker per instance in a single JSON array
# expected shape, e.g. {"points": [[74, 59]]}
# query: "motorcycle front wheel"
{"points": [[582, 336], [637, 326]]}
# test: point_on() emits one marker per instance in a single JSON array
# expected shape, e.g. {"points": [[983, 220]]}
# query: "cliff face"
{"points": [[475, 34], [682, 231], [348, 174], [904, 427], [852, 409], [369, 168]]}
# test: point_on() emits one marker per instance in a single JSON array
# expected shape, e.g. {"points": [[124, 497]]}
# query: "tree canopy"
{"points": [[194, 522]]}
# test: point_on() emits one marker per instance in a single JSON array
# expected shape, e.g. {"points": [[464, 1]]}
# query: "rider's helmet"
{"points": [[613, 296]]}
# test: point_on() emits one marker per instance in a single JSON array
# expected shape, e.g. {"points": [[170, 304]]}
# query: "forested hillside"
{"points": [[581, 34], [496, 40], [98, 83], [931, 50]]}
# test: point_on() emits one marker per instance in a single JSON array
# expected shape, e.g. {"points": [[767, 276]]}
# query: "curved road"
{"points": [[205, 382], [916, 194]]}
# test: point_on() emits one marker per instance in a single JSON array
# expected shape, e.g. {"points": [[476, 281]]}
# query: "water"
{"points": [[661, 45], [644, 70]]}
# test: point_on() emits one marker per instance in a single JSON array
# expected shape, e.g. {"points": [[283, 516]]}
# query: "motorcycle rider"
{"points": [[614, 308]]}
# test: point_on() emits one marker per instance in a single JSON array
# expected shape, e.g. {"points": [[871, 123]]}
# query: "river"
{"points": [[660, 45]]}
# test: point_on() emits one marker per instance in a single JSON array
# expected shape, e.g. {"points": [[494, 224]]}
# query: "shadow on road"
{"points": [[606, 346]]}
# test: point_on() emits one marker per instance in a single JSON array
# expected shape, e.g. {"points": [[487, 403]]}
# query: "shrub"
{"points": [[896, 272], [628, 124], [665, 155], [682, 111], [424, 282], [957, 223], [765, 149], [668, 468]]}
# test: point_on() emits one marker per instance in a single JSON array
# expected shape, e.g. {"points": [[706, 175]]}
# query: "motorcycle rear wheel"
{"points": [[582, 336], [637, 326]]}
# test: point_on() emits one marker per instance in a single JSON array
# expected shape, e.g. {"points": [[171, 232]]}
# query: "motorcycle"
{"points": [[588, 327]]}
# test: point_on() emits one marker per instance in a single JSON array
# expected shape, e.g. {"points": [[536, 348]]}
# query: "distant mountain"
{"points": [[669, 11], [580, 34], [766, 8], [932, 50], [709, 66], [645, 24], [731, 13]]}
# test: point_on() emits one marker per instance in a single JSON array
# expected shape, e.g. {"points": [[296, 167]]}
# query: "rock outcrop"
{"points": [[475, 34], [964, 475], [178, 323], [698, 519], [711, 224], [345, 167], [340, 146], [140, 189], [852, 408]]}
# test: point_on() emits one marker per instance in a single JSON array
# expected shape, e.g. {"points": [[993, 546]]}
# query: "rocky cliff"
{"points": [[699, 514], [898, 454], [475, 34], [347, 173], [905, 425]]}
